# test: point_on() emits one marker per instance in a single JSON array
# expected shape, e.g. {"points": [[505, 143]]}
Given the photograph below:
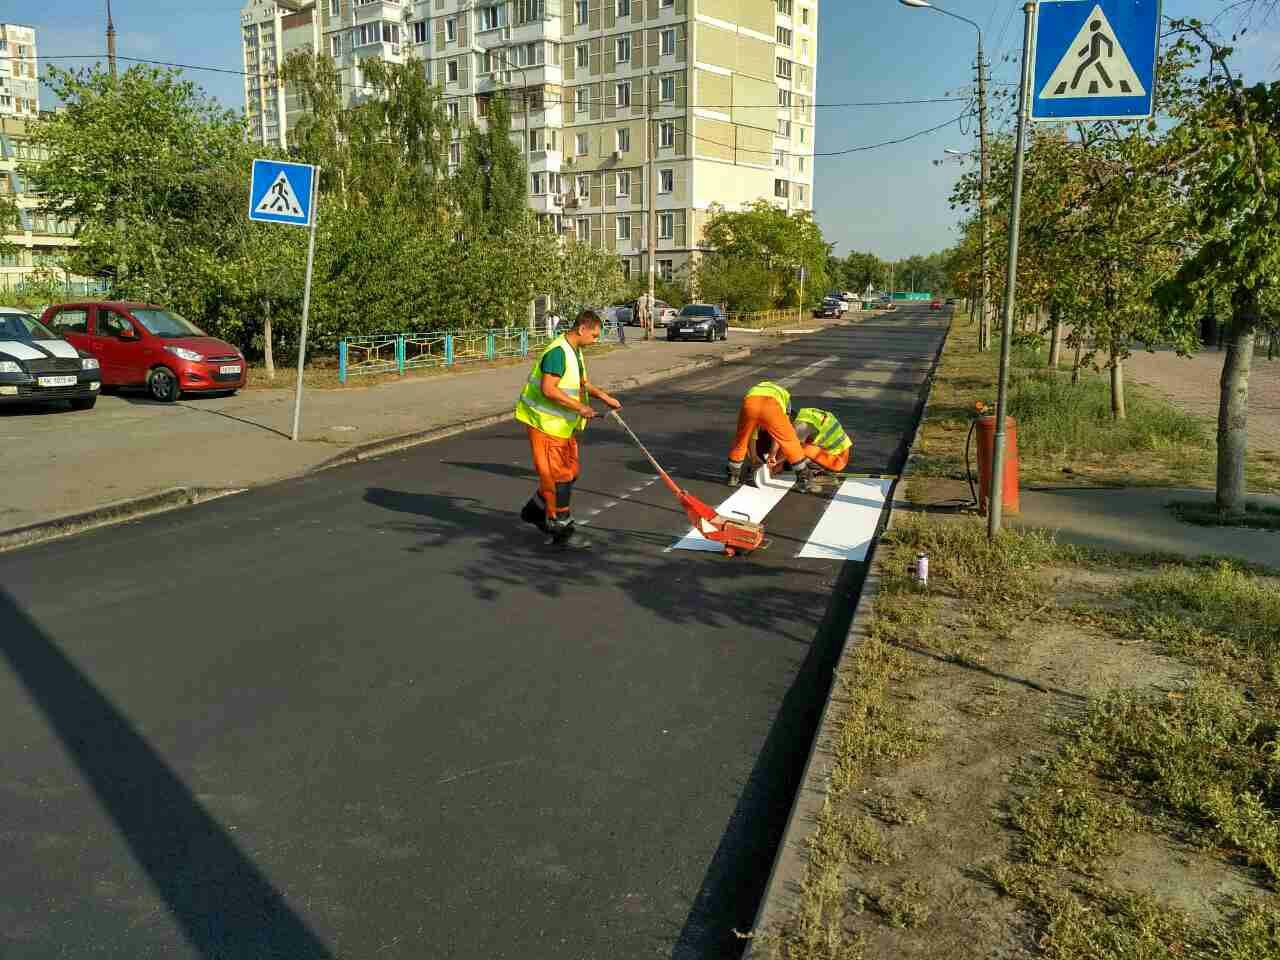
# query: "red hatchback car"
{"points": [[142, 345]]}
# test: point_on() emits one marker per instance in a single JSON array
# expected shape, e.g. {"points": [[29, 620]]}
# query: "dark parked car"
{"points": [[38, 366], [830, 308], [141, 345], [699, 321]]}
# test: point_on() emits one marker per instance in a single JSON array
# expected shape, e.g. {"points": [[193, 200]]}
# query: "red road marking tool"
{"points": [[733, 534]]}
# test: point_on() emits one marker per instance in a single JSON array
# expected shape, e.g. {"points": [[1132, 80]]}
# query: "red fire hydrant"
{"points": [[986, 444]]}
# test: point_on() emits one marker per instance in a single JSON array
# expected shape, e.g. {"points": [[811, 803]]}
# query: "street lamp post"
{"points": [[984, 324]]}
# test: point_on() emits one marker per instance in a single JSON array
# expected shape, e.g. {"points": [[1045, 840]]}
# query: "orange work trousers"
{"points": [[835, 462], [767, 414], [556, 461]]}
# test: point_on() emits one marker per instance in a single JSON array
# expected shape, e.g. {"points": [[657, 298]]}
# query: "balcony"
{"points": [[545, 160]]}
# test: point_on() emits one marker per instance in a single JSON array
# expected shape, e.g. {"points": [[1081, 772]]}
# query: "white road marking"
{"points": [[752, 501], [846, 527], [793, 379], [592, 514]]}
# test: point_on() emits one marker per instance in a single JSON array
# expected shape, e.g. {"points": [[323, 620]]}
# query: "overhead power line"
{"points": [[268, 77]]}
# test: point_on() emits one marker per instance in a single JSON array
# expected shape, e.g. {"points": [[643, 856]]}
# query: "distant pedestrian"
{"points": [[622, 330], [553, 320], [554, 407], [642, 314]]}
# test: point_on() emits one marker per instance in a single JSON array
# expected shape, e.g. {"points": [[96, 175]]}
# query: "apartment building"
{"points": [[270, 30], [39, 240], [19, 71], [719, 93]]}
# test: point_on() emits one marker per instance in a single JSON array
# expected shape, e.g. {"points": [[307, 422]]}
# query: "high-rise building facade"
{"points": [[19, 71], [713, 99]]}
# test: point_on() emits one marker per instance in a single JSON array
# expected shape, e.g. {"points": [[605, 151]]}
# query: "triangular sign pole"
{"points": [[1093, 65]]}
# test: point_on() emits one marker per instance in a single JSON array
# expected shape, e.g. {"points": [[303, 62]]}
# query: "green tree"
{"points": [[765, 247], [1227, 144], [489, 186]]}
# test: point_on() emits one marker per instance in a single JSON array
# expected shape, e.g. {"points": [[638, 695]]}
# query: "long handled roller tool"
{"points": [[734, 534]]}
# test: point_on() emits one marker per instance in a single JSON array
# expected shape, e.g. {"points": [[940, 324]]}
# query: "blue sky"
{"points": [[891, 201]]}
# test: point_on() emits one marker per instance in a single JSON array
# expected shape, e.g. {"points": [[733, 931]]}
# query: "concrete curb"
{"points": [[117, 511], [789, 861], [131, 509], [379, 448]]}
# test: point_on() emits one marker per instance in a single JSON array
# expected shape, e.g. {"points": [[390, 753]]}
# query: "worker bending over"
{"points": [[553, 406], [822, 438], [767, 407]]}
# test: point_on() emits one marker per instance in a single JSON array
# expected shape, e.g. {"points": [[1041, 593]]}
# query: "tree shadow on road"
{"points": [[225, 905]]}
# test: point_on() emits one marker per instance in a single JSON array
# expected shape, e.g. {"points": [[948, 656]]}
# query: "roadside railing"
{"points": [[768, 319], [401, 352]]}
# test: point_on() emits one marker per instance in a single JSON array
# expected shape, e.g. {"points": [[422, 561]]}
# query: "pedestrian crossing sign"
{"points": [[1094, 59], [281, 192]]}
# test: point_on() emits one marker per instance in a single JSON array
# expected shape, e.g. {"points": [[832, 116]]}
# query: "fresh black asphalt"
{"points": [[368, 714]]}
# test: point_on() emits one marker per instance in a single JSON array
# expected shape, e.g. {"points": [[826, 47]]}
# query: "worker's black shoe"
{"points": [[733, 474], [564, 534], [804, 477], [535, 514]]}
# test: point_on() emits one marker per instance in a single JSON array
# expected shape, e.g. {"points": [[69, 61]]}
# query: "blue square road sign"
{"points": [[281, 192], [1094, 59]]}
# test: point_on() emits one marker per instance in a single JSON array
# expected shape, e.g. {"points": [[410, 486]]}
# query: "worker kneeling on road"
{"points": [[553, 405], [822, 438], [767, 406]]}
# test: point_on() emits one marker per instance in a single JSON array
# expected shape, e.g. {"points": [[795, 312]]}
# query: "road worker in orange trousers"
{"points": [[767, 407], [822, 438], [553, 406]]}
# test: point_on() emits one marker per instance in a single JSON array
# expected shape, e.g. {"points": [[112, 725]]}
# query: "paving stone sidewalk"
{"points": [[60, 463]]}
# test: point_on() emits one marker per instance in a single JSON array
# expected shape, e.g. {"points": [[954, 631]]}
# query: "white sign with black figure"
{"points": [[280, 198], [1094, 65]]}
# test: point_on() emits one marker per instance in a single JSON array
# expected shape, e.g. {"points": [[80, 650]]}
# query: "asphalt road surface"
{"points": [[369, 714]]}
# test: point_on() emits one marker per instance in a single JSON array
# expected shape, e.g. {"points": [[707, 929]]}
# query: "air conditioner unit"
{"points": [[617, 155]]}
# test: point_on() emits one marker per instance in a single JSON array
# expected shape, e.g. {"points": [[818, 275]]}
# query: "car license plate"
{"points": [[56, 381], [230, 368]]}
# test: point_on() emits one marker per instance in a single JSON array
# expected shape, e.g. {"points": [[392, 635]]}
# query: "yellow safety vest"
{"points": [[541, 413], [829, 435], [767, 388]]}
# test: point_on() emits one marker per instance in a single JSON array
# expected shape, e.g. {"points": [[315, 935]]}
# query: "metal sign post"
{"points": [[286, 193], [995, 502]]}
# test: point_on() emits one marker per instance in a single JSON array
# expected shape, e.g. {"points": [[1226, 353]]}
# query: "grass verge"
{"points": [[1127, 798], [1065, 431]]}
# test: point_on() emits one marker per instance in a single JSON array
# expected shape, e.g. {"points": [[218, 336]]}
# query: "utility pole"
{"points": [[651, 95], [984, 170], [111, 43]]}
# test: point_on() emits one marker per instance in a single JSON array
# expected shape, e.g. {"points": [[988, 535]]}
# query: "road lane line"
{"points": [[846, 527], [592, 514]]}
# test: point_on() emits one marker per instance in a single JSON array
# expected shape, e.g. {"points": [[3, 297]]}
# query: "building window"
{"points": [[666, 226], [390, 32], [489, 18], [580, 101], [802, 135], [666, 181], [801, 164], [623, 144], [530, 10], [584, 186], [335, 44], [580, 12], [623, 93], [451, 71], [538, 184], [582, 229], [666, 134], [804, 15], [784, 128], [784, 98], [784, 37], [780, 189], [582, 56], [666, 269], [779, 158], [667, 3], [783, 68], [451, 29], [804, 50], [452, 109], [455, 152], [624, 228], [668, 43], [784, 7], [624, 8], [420, 31], [667, 89], [580, 145], [623, 45], [626, 270], [335, 8], [624, 183]]}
